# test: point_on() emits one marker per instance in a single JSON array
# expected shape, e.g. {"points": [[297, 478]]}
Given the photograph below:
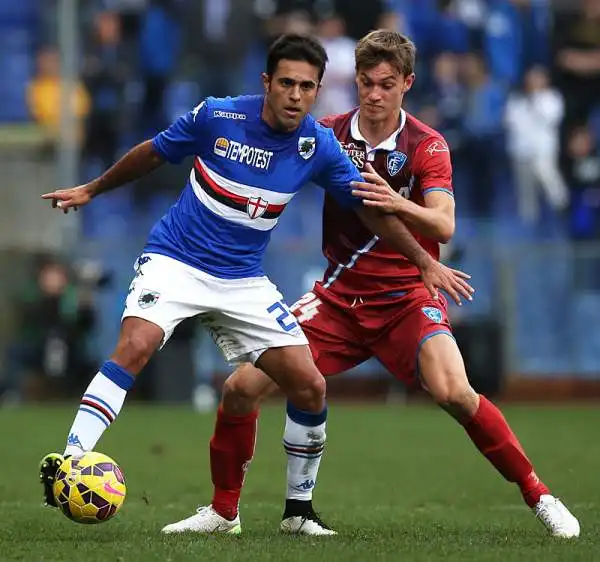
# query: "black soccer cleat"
{"points": [[300, 518], [49, 466]]}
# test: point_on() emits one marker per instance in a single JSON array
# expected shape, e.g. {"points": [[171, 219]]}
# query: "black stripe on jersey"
{"points": [[221, 198]]}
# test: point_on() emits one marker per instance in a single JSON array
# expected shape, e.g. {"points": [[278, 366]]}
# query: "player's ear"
{"points": [[266, 80], [408, 82]]}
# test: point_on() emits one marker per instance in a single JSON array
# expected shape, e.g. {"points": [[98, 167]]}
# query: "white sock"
{"points": [[304, 445], [99, 407]]}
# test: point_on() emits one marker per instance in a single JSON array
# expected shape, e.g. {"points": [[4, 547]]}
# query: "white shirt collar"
{"points": [[388, 144]]}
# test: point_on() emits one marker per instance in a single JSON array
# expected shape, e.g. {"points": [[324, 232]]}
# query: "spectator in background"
{"points": [[105, 73], [448, 97], [55, 316], [361, 17], [533, 119], [516, 38], [44, 97], [337, 94], [159, 43], [482, 129], [219, 34], [583, 175], [577, 44]]}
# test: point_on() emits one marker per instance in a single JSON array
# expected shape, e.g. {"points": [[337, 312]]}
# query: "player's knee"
{"points": [[134, 350], [311, 395], [456, 396], [244, 390]]}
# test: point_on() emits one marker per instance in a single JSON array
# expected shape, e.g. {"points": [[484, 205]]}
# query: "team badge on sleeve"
{"points": [[306, 146], [395, 162], [434, 314]]}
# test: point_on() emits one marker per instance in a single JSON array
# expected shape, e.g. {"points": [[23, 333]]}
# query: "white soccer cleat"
{"points": [[311, 525], [205, 520], [559, 521]]}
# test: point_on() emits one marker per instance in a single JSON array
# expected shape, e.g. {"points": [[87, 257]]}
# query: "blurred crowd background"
{"points": [[514, 85]]}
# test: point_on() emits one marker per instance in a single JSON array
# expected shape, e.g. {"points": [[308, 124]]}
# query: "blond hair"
{"points": [[383, 45]]}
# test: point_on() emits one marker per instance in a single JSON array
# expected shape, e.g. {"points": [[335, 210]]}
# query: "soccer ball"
{"points": [[89, 488]]}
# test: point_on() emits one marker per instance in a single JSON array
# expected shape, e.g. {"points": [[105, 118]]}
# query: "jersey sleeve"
{"points": [[433, 166], [337, 172], [184, 137]]}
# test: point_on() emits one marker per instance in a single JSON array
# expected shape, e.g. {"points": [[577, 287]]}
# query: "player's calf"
{"points": [[443, 374]]}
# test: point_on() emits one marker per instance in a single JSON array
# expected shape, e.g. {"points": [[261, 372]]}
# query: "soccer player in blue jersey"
{"points": [[203, 258]]}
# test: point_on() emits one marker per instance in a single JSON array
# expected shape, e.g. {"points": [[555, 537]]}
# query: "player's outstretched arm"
{"points": [[435, 220], [434, 274], [138, 162]]}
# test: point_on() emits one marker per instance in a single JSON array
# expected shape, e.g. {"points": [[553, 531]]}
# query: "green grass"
{"points": [[398, 483]]}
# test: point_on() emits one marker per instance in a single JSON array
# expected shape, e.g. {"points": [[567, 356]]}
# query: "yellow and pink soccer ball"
{"points": [[90, 489]]}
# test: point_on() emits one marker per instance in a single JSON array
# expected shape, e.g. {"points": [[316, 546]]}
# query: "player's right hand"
{"points": [[73, 198], [452, 281]]}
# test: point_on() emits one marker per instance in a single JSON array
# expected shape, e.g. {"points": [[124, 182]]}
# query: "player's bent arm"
{"points": [[435, 220], [138, 162], [391, 229]]}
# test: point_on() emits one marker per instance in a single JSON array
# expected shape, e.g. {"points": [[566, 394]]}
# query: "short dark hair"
{"points": [[297, 47], [383, 45]]}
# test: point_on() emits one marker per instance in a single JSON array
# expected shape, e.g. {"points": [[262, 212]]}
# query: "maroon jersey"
{"points": [[414, 160]]}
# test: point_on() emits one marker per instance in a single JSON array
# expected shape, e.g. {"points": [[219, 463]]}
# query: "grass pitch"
{"points": [[398, 483]]}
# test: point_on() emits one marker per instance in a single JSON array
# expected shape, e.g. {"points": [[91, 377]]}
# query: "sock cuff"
{"points": [[306, 418], [117, 374], [235, 419]]}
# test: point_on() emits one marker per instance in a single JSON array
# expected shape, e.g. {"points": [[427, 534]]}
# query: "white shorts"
{"points": [[245, 317]]}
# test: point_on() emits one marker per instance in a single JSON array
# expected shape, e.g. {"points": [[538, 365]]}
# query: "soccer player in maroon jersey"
{"points": [[372, 303]]}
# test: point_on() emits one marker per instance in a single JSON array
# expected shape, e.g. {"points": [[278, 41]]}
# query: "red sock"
{"points": [[231, 449], [490, 432]]}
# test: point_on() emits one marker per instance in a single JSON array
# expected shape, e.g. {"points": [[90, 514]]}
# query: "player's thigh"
{"points": [[164, 292], [334, 339], [245, 389], [417, 319]]}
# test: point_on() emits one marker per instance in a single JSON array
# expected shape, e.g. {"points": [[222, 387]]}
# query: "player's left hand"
{"points": [[376, 192], [454, 282]]}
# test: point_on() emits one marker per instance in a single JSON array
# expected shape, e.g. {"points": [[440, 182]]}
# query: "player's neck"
{"points": [[375, 132]]}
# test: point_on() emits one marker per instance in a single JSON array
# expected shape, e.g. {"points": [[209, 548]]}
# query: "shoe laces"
{"points": [[312, 515]]}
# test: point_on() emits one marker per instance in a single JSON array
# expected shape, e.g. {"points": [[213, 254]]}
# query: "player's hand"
{"points": [[376, 192], [436, 275], [66, 199]]}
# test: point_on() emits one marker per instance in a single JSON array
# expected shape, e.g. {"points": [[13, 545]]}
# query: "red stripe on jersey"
{"points": [[239, 199]]}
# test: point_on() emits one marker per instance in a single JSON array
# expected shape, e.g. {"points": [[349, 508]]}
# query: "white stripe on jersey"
{"points": [[365, 249], [233, 215], [273, 197]]}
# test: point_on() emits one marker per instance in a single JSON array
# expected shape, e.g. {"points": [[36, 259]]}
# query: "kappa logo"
{"points": [[437, 146], [434, 314], [219, 114], [256, 207], [148, 298], [306, 146], [395, 162], [74, 440], [307, 485]]}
